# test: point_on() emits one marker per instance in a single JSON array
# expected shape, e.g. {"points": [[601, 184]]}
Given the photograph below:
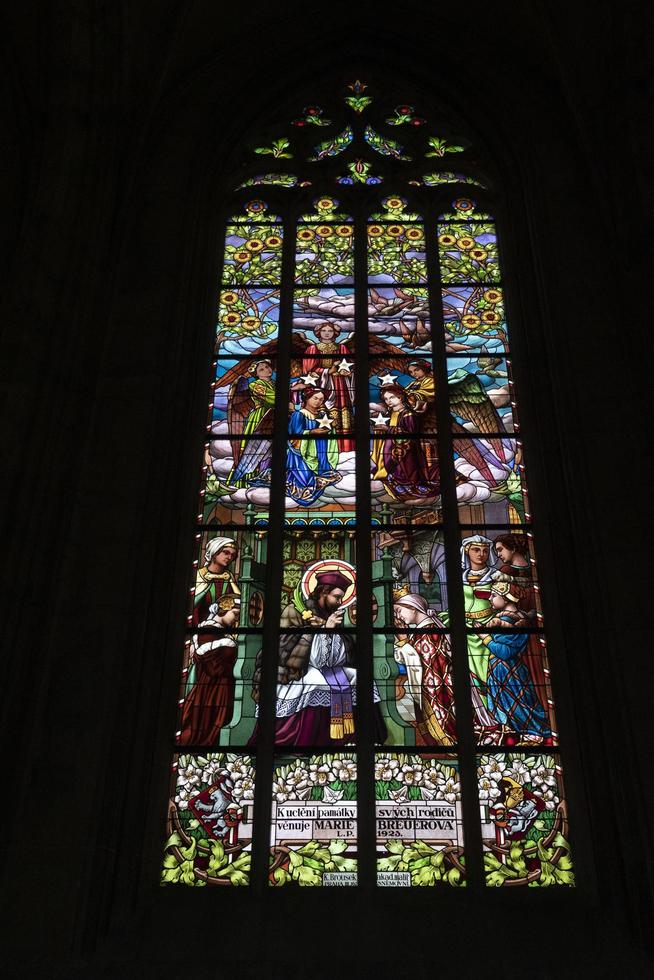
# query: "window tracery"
{"points": [[366, 662]]}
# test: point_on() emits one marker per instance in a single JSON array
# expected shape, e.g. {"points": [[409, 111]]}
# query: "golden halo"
{"points": [[309, 579]]}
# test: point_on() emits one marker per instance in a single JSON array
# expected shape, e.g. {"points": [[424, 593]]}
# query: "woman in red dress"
{"points": [[209, 705]]}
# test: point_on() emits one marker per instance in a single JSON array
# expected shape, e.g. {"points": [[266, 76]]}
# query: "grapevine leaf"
{"points": [[307, 876], [424, 876], [454, 876]]}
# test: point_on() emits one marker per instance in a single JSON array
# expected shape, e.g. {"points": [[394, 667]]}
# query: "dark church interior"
{"points": [[125, 125]]}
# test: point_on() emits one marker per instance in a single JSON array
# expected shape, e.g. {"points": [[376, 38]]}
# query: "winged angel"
{"points": [[323, 364]]}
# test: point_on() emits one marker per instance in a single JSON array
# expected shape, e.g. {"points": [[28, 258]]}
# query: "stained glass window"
{"points": [[365, 690]]}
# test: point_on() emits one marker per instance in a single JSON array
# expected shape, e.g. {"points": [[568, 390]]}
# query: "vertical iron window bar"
{"points": [[461, 674], [270, 640]]}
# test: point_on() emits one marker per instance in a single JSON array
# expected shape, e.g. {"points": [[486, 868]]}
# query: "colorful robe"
{"points": [[209, 588], [310, 463], [512, 697], [209, 705], [338, 387], [255, 455], [408, 468], [438, 726]]}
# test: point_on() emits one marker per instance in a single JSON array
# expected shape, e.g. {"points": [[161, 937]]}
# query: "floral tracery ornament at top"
{"points": [[386, 147], [440, 146], [278, 149], [275, 180], [311, 115], [405, 115], [359, 174], [358, 101], [332, 147]]}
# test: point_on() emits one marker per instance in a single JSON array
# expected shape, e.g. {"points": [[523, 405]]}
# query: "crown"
{"points": [[402, 591]]}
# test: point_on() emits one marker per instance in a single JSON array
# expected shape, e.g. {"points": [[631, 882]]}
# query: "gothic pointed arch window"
{"points": [[365, 692]]}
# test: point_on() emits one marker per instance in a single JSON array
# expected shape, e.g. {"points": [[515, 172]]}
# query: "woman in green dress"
{"points": [[255, 400]]}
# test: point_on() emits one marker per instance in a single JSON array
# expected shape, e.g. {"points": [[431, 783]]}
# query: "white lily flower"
{"points": [[243, 790], [488, 790], [345, 770], [410, 775], [519, 772], [449, 789], [189, 776], [320, 775], [495, 768], [386, 769], [182, 797]]}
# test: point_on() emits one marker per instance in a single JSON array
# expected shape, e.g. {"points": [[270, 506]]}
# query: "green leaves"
{"points": [[180, 864], [427, 865], [280, 877], [427, 875], [278, 149], [386, 147], [553, 863], [218, 858], [358, 102], [177, 872], [332, 147], [308, 864], [439, 147], [238, 871], [389, 863]]}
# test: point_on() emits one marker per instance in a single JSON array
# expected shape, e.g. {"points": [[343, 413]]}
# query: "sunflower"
{"points": [[446, 240], [305, 234], [228, 299], [325, 204], [344, 231], [254, 244], [478, 254], [375, 230], [465, 243], [470, 320], [414, 234], [273, 241], [393, 203], [231, 319], [394, 230], [325, 231], [242, 255], [250, 323], [490, 316], [493, 296]]}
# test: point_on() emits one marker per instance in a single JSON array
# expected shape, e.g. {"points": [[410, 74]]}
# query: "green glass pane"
{"points": [[419, 820], [252, 255], [209, 824], [524, 821], [468, 252], [480, 392], [408, 561], [324, 254], [396, 253], [475, 319], [248, 321], [313, 833], [413, 677], [491, 485]]}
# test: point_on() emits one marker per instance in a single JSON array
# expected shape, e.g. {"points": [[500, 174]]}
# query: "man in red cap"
{"points": [[316, 676]]}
